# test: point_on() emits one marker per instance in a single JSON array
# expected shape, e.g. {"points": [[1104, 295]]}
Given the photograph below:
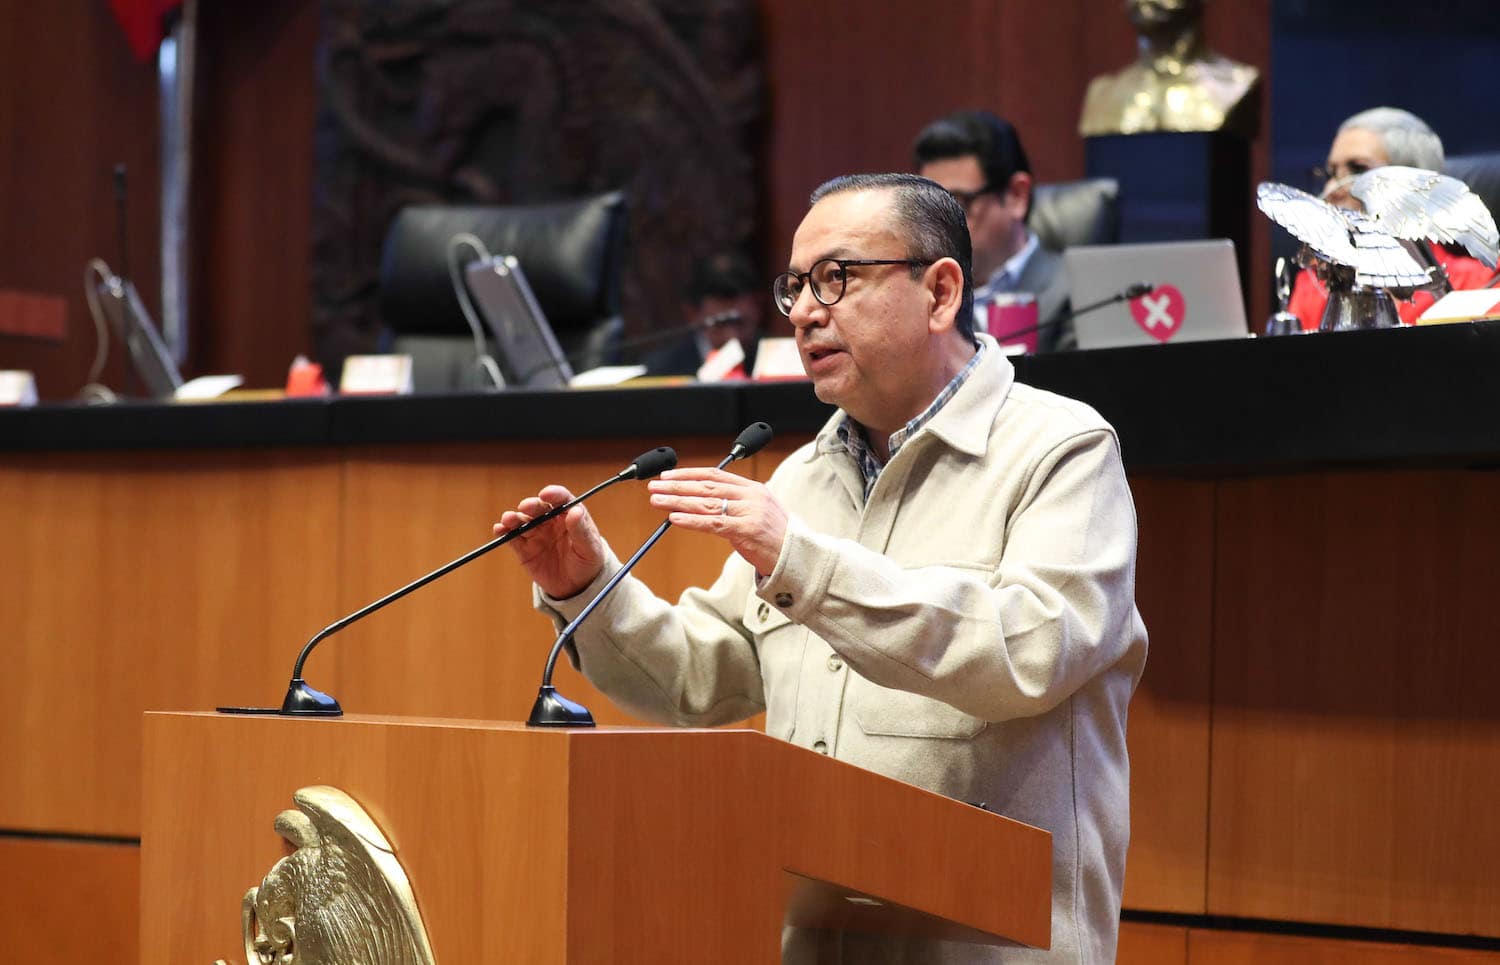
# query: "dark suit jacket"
{"points": [[679, 357], [1047, 278]]}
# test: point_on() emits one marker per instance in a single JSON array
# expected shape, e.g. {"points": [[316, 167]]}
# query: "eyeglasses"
{"points": [[827, 278], [1333, 172], [966, 199]]}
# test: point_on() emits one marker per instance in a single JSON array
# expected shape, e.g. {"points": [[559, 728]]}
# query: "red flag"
{"points": [[143, 22]]}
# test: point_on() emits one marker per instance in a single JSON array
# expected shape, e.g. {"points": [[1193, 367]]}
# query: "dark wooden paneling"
{"points": [[257, 95], [853, 81], [73, 103]]}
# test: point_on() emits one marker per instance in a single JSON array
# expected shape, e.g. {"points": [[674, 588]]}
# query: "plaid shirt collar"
{"points": [[857, 443]]}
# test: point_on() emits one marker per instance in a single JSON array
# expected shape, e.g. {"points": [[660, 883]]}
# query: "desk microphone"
{"points": [[1133, 291], [625, 346], [717, 320], [303, 701], [552, 709]]}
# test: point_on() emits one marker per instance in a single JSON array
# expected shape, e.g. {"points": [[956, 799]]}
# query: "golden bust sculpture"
{"points": [[1176, 84]]}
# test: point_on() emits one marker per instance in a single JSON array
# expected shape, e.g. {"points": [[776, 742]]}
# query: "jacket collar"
{"points": [[965, 422]]}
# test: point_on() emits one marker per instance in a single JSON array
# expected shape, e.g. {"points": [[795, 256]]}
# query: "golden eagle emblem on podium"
{"points": [[340, 898]]}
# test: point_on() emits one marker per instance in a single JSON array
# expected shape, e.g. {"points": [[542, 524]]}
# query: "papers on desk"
{"points": [[1467, 306], [206, 387], [777, 359], [606, 375], [17, 388]]}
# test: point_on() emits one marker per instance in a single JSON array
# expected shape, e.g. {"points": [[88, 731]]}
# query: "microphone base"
{"points": [[303, 701], [552, 709]]}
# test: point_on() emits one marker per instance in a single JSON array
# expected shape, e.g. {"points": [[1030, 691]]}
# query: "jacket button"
{"points": [[835, 663], [764, 611], [783, 600], [821, 747]]}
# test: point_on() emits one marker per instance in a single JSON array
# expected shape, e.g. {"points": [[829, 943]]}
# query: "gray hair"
{"points": [[932, 222], [1406, 137]]}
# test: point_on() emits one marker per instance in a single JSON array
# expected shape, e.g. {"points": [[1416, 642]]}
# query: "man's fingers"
{"points": [[555, 495], [534, 506]]}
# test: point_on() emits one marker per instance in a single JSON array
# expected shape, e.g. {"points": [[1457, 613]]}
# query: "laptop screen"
{"points": [[1195, 297], [132, 324], [528, 352]]}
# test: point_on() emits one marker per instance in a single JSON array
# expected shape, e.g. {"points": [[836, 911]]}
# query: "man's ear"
{"points": [[1017, 195], [945, 283]]}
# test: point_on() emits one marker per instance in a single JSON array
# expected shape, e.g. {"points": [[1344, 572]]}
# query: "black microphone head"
{"points": [[1139, 288], [651, 463], [752, 440]]}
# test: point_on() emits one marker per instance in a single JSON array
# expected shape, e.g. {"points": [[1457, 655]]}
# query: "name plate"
{"points": [[376, 375], [777, 359], [17, 388]]}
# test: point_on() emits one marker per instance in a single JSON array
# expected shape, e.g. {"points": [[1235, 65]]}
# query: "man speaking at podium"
{"points": [[939, 588]]}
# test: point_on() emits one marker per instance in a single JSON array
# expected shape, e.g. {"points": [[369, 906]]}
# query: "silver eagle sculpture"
{"points": [[1367, 258]]}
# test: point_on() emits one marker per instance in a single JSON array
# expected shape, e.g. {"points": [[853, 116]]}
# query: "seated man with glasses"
{"points": [[940, 587], [1372, 139], [978, 157]]}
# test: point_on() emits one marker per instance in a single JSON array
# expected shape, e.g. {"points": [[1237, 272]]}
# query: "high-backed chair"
{"points": [[1481, 172], [1070, 213], [571, 253]]}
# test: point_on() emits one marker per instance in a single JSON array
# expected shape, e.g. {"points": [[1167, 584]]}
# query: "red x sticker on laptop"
{"points": [[1160, 312]]}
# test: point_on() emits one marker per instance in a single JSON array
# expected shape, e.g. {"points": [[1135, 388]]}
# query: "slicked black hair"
{"points": [[991, 139], [932, 223], [727, 274]]}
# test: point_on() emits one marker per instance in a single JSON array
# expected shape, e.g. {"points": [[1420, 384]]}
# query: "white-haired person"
{"points": [[1371, 139]]}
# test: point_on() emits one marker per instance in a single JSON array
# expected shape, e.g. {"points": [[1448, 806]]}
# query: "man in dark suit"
{"points": [[978, 158], [725, 300]]}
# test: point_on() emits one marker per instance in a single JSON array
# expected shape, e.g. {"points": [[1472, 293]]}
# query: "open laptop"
{"points": [[132, 324], [527, 350], [1196, 298]]}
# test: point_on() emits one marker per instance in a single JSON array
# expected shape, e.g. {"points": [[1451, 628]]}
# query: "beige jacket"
{"points": [[971, 630]]}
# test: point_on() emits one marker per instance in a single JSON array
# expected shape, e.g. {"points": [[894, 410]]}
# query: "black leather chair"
{"points": [[1481, 172], [1070, 213], [571, 252]]}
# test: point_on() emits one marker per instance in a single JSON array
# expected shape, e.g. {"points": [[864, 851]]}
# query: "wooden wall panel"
{"points": [[1151, 944], [1169, 715], [471, 645], [73, 103], [135, 581], [65, 902], [257, 100], [1230, 948], [853, 81], [1355, 726]]}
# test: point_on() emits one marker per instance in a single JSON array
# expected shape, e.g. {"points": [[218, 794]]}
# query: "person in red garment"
{"points": [[1372, 139]]}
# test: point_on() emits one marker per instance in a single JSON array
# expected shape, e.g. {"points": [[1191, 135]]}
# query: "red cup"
{"points": [[1012, 321]]}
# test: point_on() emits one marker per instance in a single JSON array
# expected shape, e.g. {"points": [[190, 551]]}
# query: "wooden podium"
{"points": [[574, 846]]}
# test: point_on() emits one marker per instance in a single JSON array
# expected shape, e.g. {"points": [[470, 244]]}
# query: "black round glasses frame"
{"points": [[786, 287]]}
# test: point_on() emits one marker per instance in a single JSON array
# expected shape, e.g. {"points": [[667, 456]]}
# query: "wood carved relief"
{"points": [[510, 102]]}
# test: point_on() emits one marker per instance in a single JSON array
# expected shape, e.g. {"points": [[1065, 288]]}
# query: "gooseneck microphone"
{"points": [[627, 347], [120, 222], [304, 701], [717, 320], [552, 709], [1133, 291]]}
